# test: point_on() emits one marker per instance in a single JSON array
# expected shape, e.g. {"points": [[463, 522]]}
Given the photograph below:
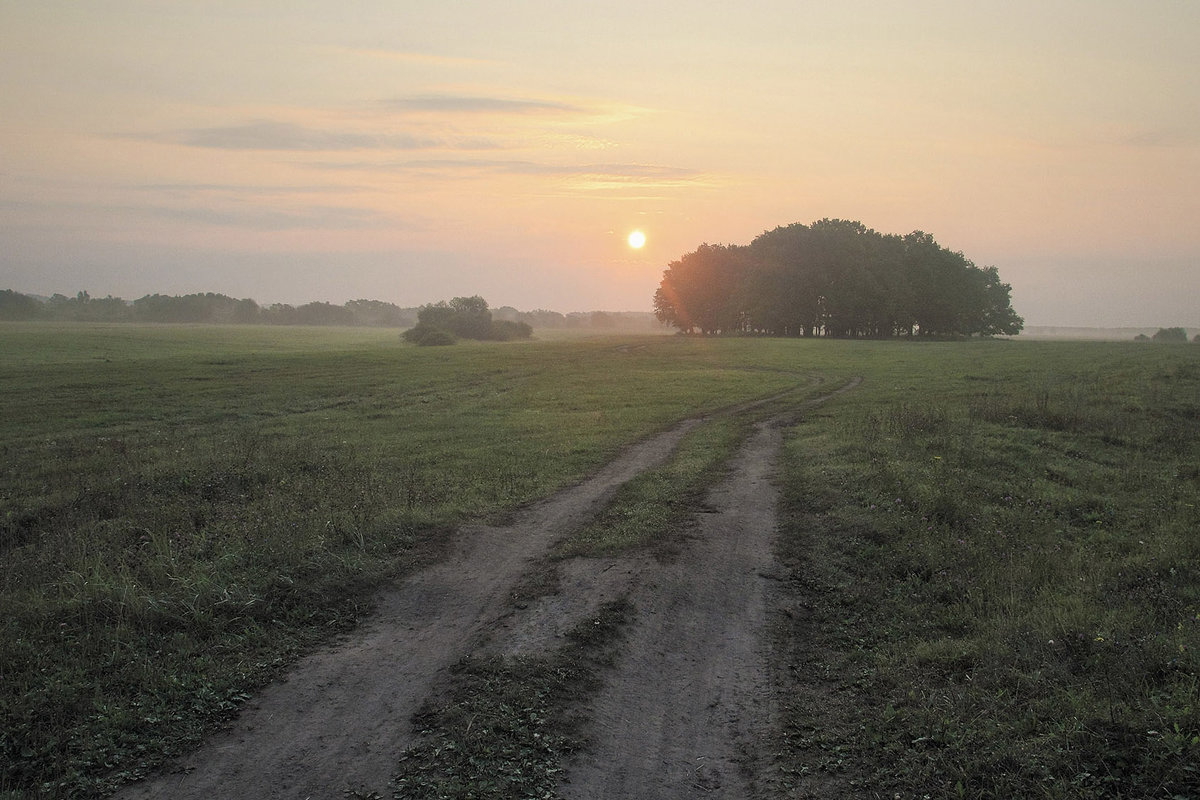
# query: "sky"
{"points": [[413, 151]]}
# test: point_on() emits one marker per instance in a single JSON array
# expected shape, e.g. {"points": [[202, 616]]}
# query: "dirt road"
{"points": [[681, 713], [686, 706]]}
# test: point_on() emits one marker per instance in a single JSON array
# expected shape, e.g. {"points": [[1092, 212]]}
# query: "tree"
{"points": [[834, 278], [376, 313], [17, 306], [472, 319], [318, 313], [700, 290], [466, 318], [1170, 335]]}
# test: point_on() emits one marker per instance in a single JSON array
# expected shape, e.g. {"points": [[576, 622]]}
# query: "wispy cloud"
{"points": [[307, 218], [583, 176], [234, 189], [467, 104], [412, 57], [230, 215], [287, 136], [1160, 137]]}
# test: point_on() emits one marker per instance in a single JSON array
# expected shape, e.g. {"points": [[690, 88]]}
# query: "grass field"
{"points": [[1003, 548], [1000, 537]]}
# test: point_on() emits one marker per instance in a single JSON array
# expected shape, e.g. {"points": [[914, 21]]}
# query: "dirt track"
{"points": [[680, 715], [683, 712]]}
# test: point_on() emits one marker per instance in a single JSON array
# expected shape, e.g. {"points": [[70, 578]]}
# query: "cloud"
{"points": [[415, 58], [587, 177], [287, 136], [465, 104], [231, 215], [516, 167], [1161, 138], [308, 218]]}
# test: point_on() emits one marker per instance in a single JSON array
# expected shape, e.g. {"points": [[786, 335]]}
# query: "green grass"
{"points": [[1006, 544], [180, 522], [185, 510]]}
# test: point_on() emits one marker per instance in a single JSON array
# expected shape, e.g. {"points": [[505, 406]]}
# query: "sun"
{"points": [[637, 240]]}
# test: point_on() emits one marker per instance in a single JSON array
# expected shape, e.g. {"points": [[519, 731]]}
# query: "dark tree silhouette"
{"points": [[1170, 335], [17, 306], [463, 317], [834, 278]]}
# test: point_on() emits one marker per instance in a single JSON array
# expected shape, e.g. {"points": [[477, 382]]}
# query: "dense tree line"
{"points": [[221, 309], [199, 308], [834, 278]]}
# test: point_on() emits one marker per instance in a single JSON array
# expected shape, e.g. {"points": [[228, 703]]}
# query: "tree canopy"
{"points": [[463, 317], [1170, 335], [834, 278]]}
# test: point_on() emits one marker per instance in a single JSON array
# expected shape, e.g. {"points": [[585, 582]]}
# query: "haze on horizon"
{"points": [[415, 151]]}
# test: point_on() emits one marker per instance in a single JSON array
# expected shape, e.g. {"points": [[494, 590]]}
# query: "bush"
{"points": [[1170, 335], [505, 331], [428, 336], [466, 318]]}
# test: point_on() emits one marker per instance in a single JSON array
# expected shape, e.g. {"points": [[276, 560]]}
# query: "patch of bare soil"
{"points": [[343, 715]]}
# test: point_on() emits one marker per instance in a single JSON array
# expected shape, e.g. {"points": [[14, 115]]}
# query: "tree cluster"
{"points": [[463, 318], [834, 278], [1170, 335]]}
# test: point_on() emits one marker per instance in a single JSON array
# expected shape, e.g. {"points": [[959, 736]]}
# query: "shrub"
{"points": [[1170, 335], [505, 331], [428, 336]]}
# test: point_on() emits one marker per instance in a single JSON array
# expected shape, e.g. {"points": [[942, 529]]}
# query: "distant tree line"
{"points": [[221, 309], [834, 278], [199, 308]]}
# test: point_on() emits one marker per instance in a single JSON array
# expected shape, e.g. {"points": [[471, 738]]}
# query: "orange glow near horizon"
{"points": [[217, 151]]}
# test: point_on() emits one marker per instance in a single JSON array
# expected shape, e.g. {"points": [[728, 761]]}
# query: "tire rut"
{"points": [[687, 710]]}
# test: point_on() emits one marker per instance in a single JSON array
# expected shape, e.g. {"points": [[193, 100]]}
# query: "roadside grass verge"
{"points": [[184, 511], [994, 578]]}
